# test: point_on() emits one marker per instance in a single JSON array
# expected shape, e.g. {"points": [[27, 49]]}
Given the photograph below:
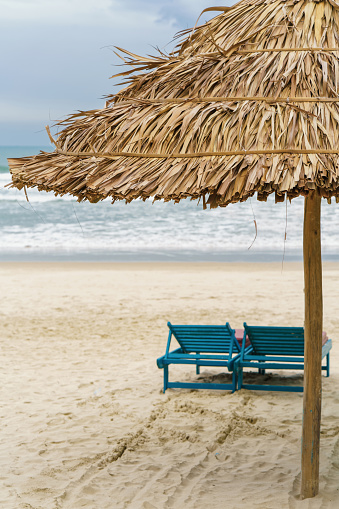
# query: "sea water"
{"points": [[60, 228]]}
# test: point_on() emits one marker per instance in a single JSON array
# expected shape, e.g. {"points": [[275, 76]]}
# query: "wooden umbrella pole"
{"points": [[313, 347]]}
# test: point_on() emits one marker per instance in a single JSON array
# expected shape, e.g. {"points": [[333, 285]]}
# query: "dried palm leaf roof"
{"points": [[247, 103]]}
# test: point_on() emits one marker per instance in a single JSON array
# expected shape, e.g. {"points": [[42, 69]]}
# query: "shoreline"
{"points": [[160, 256], [171, 265], [154, 257]]}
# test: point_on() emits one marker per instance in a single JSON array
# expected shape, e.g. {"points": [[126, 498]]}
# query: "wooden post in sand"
{"points": [[313, 347]]}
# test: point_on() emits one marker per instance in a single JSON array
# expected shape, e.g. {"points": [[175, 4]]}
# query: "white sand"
{"points": [[84, 423]]}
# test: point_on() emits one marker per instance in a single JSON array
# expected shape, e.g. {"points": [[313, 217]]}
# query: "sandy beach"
{"points": [[84, 422]]}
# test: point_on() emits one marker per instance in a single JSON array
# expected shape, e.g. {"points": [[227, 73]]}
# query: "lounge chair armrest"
{"points": [[232, 361], [246, 351], [160, 362]]}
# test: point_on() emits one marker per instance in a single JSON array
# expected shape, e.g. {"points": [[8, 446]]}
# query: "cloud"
{"points": [[57, 57], [104, 12], [53, 12], [186, 13], [183, 13], [75, 12]]}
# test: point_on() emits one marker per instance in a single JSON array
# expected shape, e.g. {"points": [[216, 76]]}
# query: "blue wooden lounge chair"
{"points": [[201, 345], [276, 348]]}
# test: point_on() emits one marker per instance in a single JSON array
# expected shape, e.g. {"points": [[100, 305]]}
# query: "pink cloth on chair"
{"points": [[239, 334], [325, 337]]}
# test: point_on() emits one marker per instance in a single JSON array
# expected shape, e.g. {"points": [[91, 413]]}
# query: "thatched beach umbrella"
{"points": [[247, 103]]}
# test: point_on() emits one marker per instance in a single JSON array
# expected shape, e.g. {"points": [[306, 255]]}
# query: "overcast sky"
{"points": [[56, 55]]}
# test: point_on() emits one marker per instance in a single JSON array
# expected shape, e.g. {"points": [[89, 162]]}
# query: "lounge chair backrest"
{"points": [[276, 340], [205, 338]]}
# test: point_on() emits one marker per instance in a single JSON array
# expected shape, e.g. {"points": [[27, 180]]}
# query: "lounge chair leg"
{"points": [[165, 378], [234, 379], [198, 369], [261, 371], [240, 372], [328, 365]]}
